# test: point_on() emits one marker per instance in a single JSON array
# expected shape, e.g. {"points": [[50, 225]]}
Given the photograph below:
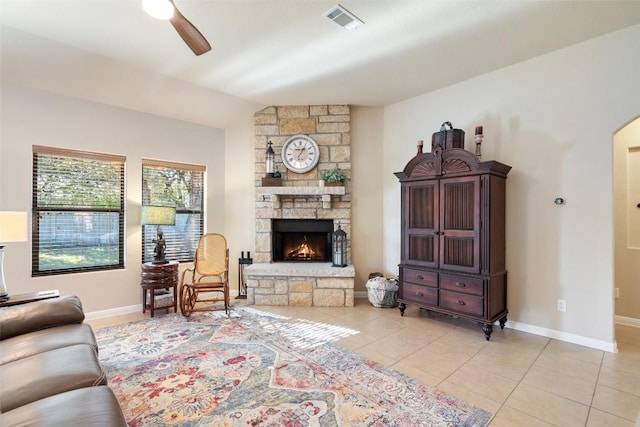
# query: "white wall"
{"points": [[34, 117], [552, 119], [367, 178]]}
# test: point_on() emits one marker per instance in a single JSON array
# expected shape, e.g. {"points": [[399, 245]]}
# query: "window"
{"points": [[78, 211], [181, 186]]}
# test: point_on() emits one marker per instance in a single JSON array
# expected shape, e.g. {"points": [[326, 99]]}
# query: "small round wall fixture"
{"points": [[559, 201], [300, 153]]}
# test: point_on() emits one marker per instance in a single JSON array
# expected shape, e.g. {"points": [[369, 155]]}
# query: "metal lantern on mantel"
{"points": [[269, 156], [339, 247]]}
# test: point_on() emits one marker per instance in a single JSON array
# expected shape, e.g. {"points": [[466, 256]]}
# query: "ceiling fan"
{"points": [[166, 9]]}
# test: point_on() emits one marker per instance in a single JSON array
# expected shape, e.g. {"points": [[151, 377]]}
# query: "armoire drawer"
{"points": [[462, 303], [420, 294], [420, 277], [464, 284]]}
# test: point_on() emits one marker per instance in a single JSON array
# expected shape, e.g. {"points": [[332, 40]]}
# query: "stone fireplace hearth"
{"points": [[301, 282]]}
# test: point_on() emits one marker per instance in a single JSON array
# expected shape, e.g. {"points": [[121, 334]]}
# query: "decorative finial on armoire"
{"points": [[478, 138]]}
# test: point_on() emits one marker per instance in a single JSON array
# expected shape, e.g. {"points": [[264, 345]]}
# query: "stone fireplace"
{"points": [[284, 271]]}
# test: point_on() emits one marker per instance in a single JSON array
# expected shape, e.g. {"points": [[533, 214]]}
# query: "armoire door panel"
{"points": [[422, 221], [422, 249], [458, 253], [422, 206], [459, 210], [460, 224]]}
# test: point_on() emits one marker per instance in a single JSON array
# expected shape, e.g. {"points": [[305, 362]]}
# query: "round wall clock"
{"points": [[300, 153]]}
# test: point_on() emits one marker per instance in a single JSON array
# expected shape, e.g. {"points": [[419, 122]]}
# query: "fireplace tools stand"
{"points": [[242, 284]]}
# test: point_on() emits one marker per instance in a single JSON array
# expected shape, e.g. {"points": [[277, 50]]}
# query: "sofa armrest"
{"points": [[34, 316]]}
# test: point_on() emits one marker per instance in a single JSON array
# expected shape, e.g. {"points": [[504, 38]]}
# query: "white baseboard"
{"points": [[611, 347], [628, 321], [113, 312]]}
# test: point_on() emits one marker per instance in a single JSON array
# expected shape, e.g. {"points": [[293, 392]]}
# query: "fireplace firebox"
{"points": [[301, 240]]}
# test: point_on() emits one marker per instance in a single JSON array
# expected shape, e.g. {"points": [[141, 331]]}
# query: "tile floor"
{"points": [[524, 379]]}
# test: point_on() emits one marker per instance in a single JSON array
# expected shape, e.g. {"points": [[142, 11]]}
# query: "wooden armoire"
{"points": [[453, 236]]}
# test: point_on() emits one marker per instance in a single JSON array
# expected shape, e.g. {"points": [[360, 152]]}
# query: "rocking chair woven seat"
{"points": [[205, 286]]}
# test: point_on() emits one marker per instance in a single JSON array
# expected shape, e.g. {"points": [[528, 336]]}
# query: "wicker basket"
{"points": [[382, 293]]}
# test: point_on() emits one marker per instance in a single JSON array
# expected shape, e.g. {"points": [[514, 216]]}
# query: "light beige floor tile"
{"points": [[576, 368], [599, 418], [423, 333], [378, 328], [616, 402], [456, 353], [509, 335], [392, 347], [477, 381], [561, 384], [622, 380], [470, 332], [453, 343], [435, 364], [510, 417], [511, 365], [356, 341], [575, 351], [376, 357], [512, 340], [622, 361], [547, 406]]}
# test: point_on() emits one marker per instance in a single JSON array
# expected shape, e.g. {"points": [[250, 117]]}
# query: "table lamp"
{"points": [[158, 215], [13, 228]]}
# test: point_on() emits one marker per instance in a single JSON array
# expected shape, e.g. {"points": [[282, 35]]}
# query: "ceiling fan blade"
{"points": [[189, 33]]}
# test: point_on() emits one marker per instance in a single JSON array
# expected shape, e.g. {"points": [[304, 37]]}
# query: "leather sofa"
{"points": [[50, 374]]}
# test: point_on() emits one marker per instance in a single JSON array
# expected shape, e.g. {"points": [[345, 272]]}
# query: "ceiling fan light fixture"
{"points": [[159, 9]]}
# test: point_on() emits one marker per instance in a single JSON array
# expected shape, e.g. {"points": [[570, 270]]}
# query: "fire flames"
{"points": [[303, 251]]}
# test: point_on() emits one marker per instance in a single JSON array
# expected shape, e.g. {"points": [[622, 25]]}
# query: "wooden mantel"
{"points": [[324, 193]]}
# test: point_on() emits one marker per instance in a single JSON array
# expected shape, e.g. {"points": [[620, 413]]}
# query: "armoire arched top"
{"points": [[450, 162]]}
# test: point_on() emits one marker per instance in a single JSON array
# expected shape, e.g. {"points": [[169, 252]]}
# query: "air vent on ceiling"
{"points": [[343, 17]]}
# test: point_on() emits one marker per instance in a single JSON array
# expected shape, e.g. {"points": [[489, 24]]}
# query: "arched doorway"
{"points": [[626, 192]]}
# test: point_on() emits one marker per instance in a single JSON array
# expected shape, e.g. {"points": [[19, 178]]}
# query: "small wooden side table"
{"points": [[31, 297], [155, 277]]}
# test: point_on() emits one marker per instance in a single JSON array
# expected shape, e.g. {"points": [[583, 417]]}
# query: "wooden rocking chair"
{"points": [[205, 285]]}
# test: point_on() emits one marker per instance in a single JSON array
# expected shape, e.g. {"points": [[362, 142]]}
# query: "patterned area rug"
{"points": [[260, 369]]}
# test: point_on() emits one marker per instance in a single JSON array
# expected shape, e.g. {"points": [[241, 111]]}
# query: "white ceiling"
{"points": [[277, 52]]}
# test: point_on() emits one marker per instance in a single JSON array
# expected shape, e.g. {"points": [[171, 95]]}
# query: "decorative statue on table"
{"points": [[161, 247]]}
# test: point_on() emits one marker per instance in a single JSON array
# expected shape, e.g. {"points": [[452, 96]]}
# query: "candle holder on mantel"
{"points": [[478, 138], [269, 179]]}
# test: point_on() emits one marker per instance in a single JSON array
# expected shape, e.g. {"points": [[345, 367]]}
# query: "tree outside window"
{"points": [[181, 186], [78, 211]]}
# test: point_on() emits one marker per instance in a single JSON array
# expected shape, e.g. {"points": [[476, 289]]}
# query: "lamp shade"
{"points": [[13, 226], [158, 215]]}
